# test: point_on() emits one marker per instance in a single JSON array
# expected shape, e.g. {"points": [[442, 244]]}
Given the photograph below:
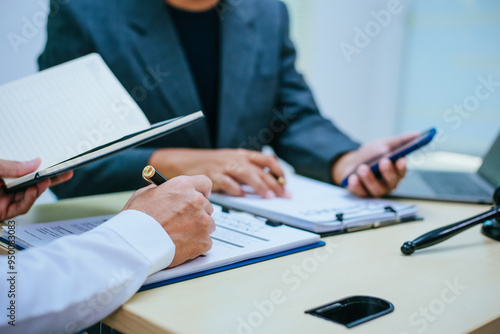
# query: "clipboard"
{"points": [[321, 208]]}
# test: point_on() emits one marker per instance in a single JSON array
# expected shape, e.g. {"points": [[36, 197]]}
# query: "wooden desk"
{"points": [[449, 288]]}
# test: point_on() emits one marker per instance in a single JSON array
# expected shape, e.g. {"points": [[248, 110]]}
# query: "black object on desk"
{"points": [[150, 174], [491, 228], [352, 311]]}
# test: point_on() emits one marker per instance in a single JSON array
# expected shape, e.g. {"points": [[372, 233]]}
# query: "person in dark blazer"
{"points": [[234, 60]]}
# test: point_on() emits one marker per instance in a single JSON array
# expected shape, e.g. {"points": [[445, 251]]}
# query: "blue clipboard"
{"points": [[218, 269], [230, 266]]}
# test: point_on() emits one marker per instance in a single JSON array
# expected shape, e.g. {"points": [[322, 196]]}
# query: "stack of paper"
{"points": [[321, 208]]}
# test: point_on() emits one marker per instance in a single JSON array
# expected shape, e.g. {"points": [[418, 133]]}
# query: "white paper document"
{"points": [[238, 237], [320, 207], [38, 235]]}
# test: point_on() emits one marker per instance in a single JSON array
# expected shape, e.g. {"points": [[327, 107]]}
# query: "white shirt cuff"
{"points": [[146, 235]]}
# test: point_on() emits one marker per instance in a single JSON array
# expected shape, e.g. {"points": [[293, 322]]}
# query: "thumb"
{"points": [[10, 168]]}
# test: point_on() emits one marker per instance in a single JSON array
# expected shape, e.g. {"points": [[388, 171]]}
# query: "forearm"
{"points": [[78, 280], [311, 153], [310, 143], [173, 162]]}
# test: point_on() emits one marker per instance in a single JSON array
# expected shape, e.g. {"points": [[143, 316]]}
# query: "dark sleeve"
{"points": [[310, 142], [121, 172], [67, 39]]}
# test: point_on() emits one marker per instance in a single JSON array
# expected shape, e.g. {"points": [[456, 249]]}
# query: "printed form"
{"points": [[238, 237]]}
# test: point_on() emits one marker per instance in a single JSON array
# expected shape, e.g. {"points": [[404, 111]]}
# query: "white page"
{"points": [[314, 203], [38, 235], [64, 111], [238, 237]]}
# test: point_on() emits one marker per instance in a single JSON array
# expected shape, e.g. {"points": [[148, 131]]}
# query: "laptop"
{"points": [[467, 187]]}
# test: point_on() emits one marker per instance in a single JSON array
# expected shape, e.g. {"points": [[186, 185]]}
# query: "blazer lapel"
{"points": [[159, 47], [238, 57]]}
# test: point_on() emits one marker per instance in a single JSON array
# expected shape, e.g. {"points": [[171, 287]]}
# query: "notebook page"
{"points": [[64, 111]]}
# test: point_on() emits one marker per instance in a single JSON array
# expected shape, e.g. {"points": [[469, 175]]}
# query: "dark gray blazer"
{"points": [[263, 100]]}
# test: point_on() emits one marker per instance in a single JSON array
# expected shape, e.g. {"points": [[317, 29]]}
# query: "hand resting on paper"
{"points": [[228, 169]]}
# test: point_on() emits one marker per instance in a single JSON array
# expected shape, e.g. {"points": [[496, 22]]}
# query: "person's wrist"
{"points": [[340, 167], [146, 234], [164, 160]]}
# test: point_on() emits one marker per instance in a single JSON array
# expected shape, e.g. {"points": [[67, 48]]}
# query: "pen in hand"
{"points": [[150, 174], [280, 179]]}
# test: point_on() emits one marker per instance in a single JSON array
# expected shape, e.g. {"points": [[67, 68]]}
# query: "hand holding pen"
{"points": [[182, 208]]}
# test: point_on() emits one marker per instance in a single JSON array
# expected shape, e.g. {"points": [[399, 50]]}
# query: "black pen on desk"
{"points": [[150, 174]]}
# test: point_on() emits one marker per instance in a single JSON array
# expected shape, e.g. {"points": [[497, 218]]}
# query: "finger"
{"points": [[211, 227], [209, 208], [22, 206], [42, 186], [5, 202], [401, 167], [272, 183], [226, 183], [10, 168], [18, 196], [250, 175], [263, 160], [355, 186], [61, 178], [202, 184], [389, 173], [375, 187]]}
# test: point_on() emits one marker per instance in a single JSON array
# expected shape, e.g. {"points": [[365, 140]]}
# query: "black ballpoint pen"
{"points": [[150, 174]]}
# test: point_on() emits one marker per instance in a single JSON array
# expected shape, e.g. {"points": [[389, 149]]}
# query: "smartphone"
{"points": [[398, 152], [353, 311]]}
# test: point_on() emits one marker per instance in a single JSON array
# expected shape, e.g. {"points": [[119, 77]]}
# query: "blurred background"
{"points": [[376, 67]]}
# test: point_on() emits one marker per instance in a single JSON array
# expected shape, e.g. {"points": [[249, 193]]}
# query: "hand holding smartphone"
{"points": [[398, 152]]}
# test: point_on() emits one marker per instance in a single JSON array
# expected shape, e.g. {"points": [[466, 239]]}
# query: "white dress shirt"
{"points": [[75, 281]]}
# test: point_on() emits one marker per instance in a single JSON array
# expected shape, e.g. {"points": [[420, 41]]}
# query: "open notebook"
{"points": [[321, 208], [70, 115]]}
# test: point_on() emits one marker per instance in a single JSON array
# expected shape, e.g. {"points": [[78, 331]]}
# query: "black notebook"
{"points": [[71, 115]]}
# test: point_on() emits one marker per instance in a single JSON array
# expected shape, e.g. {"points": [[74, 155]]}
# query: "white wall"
{"points": [[424, 61], [404, 79], [22, 37], [357, 90], [452, 48]]}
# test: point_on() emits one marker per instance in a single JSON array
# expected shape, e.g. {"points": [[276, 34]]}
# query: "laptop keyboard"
{"points": [[461, 184]]}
